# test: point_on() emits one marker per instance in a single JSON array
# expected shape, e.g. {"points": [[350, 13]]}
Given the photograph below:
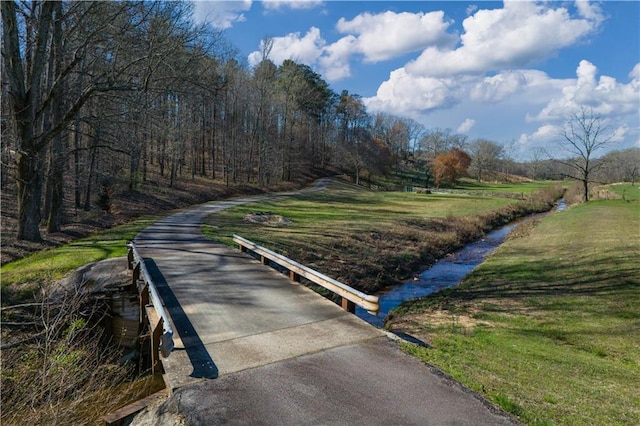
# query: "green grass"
{"points": [[366, 239], [56, 262], [626, 190], [549, 326], [343, 210], [505, 187]]}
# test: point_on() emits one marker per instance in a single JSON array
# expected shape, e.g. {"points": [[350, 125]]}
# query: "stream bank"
{"points": [[445, 273]]}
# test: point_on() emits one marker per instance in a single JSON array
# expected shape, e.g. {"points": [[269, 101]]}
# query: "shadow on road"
{"points": [[203, 365]]}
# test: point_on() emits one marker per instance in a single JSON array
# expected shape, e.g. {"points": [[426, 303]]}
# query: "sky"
{"points": [[512, 72]]}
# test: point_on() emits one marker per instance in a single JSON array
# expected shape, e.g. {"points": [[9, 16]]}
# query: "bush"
{"points": [[59, 370]]}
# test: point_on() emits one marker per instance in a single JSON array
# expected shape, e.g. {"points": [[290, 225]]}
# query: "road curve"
{"points": [[253, 348]]}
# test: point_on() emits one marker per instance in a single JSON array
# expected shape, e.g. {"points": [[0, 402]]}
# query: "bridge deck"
{"points": [[279, 353]]}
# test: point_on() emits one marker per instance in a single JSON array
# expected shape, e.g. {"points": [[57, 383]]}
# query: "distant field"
{"points": [[549, 326], [516, 188], [342, 210], [366, 239], [626, 190]]}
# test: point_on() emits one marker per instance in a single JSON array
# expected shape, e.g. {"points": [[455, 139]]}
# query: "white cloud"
{"points": [[389, 34], [292, 4], [604, 95], [614, 102], [221, 15], [409, 95], [311, 49], [376, 37], [493, 39], [465, 126], [544, 137], [519, 34], [335, 61], [499, 42], [305, 49], [590, 10]]}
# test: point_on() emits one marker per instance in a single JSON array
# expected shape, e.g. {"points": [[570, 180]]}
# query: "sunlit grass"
{"points": [[343, 210], [549, 326], [626, 191], [507, 187], [367, 239], [56, 262]]}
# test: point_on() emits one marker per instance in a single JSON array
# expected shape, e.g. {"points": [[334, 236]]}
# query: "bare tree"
{"points": [[583, 136], [486, 156]]}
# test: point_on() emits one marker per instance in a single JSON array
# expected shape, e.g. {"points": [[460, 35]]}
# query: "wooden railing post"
{"points": [[156, 366], [136, 274], [143, 299], [155, 328], [294, 277], [348, 305], [130, 258]]}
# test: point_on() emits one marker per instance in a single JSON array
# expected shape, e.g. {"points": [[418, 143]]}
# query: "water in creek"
{"points": [[446, 273]]}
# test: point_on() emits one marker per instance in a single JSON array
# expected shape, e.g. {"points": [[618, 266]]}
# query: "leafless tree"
{"points": [[584, 135], [486, 157]]}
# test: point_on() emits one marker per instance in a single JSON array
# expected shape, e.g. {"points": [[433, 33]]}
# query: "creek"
{"points": [[447, 272]]}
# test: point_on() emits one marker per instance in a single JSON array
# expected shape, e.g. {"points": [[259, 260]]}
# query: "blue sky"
{"points": [[508, 71]]}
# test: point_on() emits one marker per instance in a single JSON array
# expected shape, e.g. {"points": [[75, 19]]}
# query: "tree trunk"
{"points": [[56, 186], [92, 166], [56, 172], [29, 196], [76, 163]]}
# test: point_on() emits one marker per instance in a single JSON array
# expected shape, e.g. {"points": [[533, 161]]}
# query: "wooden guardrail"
{"points": [[350, 296], [151, 307]]}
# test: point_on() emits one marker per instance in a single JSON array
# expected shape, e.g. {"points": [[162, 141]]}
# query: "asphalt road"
{"points": [[254, 348]]}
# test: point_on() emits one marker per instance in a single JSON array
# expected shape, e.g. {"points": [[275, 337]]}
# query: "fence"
{"points": [[151, 308], [350, 296]]}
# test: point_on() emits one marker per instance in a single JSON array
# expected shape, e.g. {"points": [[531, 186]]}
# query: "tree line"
{"points": [[95, 93]]}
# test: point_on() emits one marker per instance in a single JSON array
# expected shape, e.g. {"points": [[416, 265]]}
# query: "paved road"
{"points": [[253, 348]]}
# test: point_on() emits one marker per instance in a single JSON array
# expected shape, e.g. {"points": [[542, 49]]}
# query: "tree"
{"points": [[620, 166], [486, 156], [582, 137], [451, 166], [57, 56], [353, 132]]}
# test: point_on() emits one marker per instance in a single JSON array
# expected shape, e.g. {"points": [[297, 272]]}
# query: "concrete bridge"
{"points": [[253, 347]]}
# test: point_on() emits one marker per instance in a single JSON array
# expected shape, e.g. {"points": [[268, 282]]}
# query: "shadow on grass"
{"points": [[547, 282]]}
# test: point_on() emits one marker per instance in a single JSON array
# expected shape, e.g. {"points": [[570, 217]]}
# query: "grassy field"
{"points": [[54, 263], [549, 326], [527, 187], [366, 239], [626, 191]]}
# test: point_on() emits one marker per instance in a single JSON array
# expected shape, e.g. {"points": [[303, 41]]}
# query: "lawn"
{"points": [[527, 187], [626, 191], [549, 326]]}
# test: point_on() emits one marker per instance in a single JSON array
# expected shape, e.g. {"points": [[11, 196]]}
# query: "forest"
{"points": [[101, 98]]}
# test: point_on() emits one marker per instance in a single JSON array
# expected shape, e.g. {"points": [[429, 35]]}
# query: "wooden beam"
{"points": [[126, 413]]}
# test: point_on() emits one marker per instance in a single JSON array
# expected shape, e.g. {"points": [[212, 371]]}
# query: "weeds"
{"points": [[57, 364]]}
